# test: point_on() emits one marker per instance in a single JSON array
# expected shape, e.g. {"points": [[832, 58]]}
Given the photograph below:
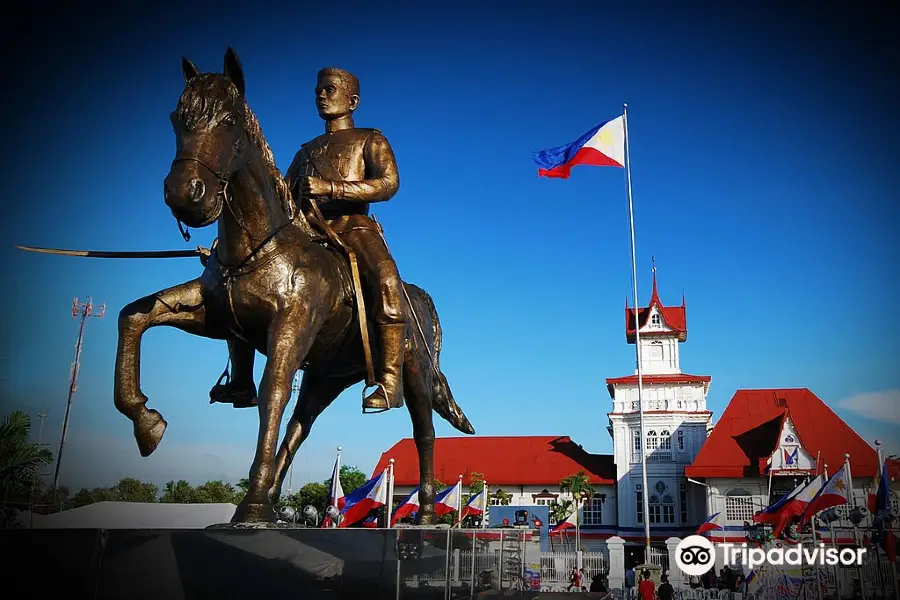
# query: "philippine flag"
{"points": [[713, 523], [336, 496], [475, 505], [569, 523], [367, 497], [408, 506], [789, 506], [881, 508], [448, 500], [602, 146], [833, 493]]}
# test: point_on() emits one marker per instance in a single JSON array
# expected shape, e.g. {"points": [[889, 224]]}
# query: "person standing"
{"points": [[646, 588]]}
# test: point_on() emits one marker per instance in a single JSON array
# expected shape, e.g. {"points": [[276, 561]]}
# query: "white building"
{"points": [[765, 444]]}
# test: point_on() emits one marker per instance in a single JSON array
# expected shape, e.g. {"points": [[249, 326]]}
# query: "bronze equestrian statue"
{"points": [[279, 283], [345, 169]]}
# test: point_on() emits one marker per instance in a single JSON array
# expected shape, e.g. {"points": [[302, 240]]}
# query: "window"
{"points": [[543, 501], [668, 509], [655, 320], [494, 501], [593, 511], [665, 440], [682, 500], [640, 506], [655, 509], [680, 440], [652, 440], [656, 351], [739, 505], [636, 446], [640, 503]]}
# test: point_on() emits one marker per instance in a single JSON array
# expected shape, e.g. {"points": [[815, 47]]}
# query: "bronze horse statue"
{"points": [[274, 282]]}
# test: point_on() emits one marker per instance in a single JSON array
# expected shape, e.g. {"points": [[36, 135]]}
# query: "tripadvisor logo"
{"points": [[695, 555]]}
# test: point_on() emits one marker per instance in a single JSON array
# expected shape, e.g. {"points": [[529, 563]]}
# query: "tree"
{"points": [[351, 479], [20, 464], [130, 489], [578, 485], [503, 497], [178, 492]]}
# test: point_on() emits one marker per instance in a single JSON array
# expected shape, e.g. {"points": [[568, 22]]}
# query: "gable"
{"points": [[750, 430], [790, 455], [656, 322]]}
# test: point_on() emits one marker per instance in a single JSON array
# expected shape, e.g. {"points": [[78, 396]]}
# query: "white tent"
{"points": [[137, 515]]}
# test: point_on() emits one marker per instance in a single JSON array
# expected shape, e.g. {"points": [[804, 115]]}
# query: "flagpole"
{"points": [[390, 498], [459, 503], [637, 340], [886, 525], [851, 504], [487, 502]]}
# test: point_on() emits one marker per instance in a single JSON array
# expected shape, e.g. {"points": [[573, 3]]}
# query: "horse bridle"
{"points": [[224, 178]]}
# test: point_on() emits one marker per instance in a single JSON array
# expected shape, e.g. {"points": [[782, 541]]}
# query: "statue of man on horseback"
{"points": [[333, 179]]}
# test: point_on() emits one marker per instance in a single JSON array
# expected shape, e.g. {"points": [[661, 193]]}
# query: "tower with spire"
{"points": [[675, 419]]}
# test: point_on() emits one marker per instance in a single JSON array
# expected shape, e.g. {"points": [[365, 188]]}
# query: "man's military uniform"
{"points": [[361, 168]]}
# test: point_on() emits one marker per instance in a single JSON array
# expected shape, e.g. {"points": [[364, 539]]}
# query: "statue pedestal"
{"points": [[655, 573]]}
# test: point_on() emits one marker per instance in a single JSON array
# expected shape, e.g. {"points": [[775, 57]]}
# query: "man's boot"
{"points": [[389, 391]]}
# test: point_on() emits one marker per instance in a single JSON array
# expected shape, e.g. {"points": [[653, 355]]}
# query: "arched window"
{"points": [[738, 505], [655, 320], [636, 445], [656, 351], [652, 441], [665, 440]]}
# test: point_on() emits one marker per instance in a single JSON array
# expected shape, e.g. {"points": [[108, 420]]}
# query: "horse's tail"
{"points": [[442, 399]]}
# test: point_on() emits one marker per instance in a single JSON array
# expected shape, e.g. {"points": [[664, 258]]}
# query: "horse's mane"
{"points": [[204, 97]]}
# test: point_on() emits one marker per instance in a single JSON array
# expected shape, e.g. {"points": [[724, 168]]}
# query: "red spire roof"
{"points": [[675, 317], [748, 431], [503, 460]]}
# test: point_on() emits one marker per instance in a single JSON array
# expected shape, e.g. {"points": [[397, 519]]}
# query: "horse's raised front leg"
{"points": [[289, 340], [316, 394], [181, 307]]}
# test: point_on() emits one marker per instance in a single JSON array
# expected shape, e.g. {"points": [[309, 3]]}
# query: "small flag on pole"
{"points": [[713, 523], [407, 507], [448, 500], [834, 493], [364, 499], [475, 505], [336, 495], [602, 146]]}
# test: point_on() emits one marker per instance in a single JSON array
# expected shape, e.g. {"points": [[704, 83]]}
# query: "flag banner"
{"points": [[407, 507], [833, 493], [336, 495], [602, 146], [475, 505], [448, 501], [363, 500], [713, 523], [568, 523], [791, 505]]}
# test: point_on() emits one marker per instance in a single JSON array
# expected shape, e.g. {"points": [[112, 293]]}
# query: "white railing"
{"points": [[659, 557]]}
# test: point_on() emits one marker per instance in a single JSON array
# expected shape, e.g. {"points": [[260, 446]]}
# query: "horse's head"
{"points": [[211, 142]]}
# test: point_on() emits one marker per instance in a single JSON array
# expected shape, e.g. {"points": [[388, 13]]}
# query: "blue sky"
{"points": [[763, 176]]}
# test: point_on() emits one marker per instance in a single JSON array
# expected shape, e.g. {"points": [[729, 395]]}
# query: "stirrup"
{"points": [[374, 411]]}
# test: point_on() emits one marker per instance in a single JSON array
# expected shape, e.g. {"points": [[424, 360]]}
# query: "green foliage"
{"points": [[577, 485], [351, 478], [20, 463], [560, 510], [503, 498]]}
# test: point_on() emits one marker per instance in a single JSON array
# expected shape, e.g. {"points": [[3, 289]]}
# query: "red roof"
{"points": [[747, 434], [503, 460], [611, 382], [674, 316]]}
